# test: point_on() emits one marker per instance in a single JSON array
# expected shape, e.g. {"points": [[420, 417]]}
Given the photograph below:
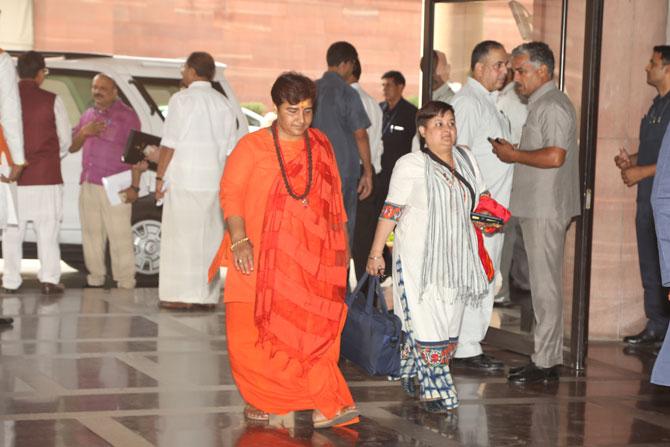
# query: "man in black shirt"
{"points": [[398, 128], [639, 169]]}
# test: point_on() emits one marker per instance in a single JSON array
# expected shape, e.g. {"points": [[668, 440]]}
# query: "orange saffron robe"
{"points": [[269, 374]]}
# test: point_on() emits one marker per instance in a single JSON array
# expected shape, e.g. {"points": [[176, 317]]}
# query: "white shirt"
{"points": [[514, 109], [200, 127], [478, 118], [443, 93], [10, 109], [63, 127], [375, 130]]}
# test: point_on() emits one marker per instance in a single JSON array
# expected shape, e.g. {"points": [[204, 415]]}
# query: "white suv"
{"points": [[145, 84]]}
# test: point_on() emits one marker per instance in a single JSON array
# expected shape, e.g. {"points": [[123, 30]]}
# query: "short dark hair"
{"points": [[481, 50], [430, 110], [356, 73], [664, 51], [538, 54], [397, 77], [29, 64], [340, 52], [292, 87], [202, 63]]}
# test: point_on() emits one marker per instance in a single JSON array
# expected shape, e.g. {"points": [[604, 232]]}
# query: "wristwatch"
{"points": [[135, 188]]}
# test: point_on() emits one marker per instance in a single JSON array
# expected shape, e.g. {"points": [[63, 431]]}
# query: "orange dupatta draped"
{"points": [[4, 149], [302, 265]]}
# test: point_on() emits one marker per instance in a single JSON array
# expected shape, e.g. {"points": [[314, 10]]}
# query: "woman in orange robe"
{"points": [[286, 253]]}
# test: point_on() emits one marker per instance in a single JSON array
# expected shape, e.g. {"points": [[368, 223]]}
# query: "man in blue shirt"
{"points": [[639, 169], [341, 116]]}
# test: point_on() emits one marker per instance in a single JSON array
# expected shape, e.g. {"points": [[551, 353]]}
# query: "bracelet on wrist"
{"points": [[234, 245], [374, 258]]}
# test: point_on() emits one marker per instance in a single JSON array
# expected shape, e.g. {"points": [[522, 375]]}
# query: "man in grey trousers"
{"points": [[545, 197]]}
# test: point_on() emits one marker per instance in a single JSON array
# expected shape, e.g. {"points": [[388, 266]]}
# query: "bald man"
{"points": [[103, 131]]}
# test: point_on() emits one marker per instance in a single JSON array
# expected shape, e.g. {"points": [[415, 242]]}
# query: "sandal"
{"points": [[252, 413], [346, 416]]}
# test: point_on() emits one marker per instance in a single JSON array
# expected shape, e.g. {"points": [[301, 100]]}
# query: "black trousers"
{"points": [[656, 305], [367, 215]]}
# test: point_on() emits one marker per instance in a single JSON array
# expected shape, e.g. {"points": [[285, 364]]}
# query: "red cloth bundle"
{"points": [[490, 206]]}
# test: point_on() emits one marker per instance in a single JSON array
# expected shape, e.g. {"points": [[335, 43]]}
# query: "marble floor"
{"points": [[106, 367]]}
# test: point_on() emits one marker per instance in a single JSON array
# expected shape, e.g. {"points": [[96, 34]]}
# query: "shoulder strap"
{"points": [[457, 174]]}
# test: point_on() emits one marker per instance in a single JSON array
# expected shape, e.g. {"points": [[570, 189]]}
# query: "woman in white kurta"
{"points": [[437, 270]]}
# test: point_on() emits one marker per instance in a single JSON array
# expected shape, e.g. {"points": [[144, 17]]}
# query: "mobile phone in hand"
{"points": [[486, 219]]}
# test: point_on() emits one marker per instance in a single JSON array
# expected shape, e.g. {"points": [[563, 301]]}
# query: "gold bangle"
{"points": [[234, 245]]}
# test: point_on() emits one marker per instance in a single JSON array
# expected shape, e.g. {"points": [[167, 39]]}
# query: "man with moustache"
{"points": [[103, 131], [639, 169], [47, 135], [478, 120], [545, 198]]}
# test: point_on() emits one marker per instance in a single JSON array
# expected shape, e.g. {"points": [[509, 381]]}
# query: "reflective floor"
{"points": [[100, 368]]}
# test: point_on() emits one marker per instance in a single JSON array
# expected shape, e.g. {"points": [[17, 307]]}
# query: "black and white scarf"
{"points": [[452, 270]]}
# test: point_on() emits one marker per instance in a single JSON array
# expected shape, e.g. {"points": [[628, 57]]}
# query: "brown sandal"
{"points": [[254, 414], [345, 416]]}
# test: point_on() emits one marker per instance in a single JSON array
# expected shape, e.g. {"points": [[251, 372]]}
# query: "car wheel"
{"points": [[146, 227]]}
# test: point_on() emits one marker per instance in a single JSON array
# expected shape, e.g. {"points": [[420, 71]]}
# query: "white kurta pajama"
{"points": [[200, 127], [10, 120], [478, 118], [43, 206]]}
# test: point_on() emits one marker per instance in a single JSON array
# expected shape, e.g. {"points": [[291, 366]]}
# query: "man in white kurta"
{"points": [[477, 119], [10, 120], [47, 138], [198, 135]]}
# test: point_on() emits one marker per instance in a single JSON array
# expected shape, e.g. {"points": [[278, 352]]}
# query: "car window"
{"points": [[252, 121], [74, 89], [157, 91]]}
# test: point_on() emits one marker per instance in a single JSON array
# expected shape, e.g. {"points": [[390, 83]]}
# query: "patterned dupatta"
{"points": [[302, 264]]}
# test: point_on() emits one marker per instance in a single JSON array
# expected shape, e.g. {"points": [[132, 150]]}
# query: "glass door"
{"points": [[454, 27]]}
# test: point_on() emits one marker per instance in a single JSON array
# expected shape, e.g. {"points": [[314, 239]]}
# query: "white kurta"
{"points": [[433, 320], [200, 127], [11, 122], [511, 105], [478, 118], [43, 206], [375, 130]]}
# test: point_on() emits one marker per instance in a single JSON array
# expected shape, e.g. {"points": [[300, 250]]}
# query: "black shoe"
{"points": [[435, 406], [517, 369], [89, 286], [481, 362], [10, 291], [408, 385], [534, 374], [643, 338], [6, 321]]}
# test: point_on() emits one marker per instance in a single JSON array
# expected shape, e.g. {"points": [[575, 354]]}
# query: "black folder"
{"points": [[137, 142]]}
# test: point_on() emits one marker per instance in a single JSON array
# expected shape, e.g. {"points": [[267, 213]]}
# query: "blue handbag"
{"points": [[372, 337]]}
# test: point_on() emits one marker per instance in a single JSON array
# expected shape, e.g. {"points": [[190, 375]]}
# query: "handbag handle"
{"points": [[374, 289]]}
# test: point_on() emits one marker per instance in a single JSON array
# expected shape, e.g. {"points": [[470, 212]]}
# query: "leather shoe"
{"points": [[643, 338], [10, 291], [49, 288], [534, 374], [481, 362], [6, 321]]}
